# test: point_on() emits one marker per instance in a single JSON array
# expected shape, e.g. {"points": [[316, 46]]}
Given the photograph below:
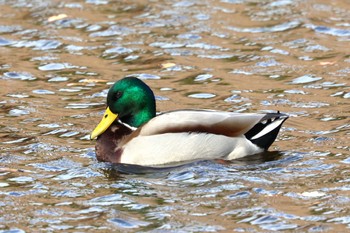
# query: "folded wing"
{"points": [[215, 122]]}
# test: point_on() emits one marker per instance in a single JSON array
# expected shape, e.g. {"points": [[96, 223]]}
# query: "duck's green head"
{"points": [[129, 100]]}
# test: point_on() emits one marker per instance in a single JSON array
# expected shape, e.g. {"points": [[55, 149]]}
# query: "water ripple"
{"points": [[128, 223], [114, 30], [5, 42], [144, 76], [202, 95], [305, 79], [329, 30], [18, 75], [276, 28], [118, 50], [38, 45], [113, 199], [57, 66], [77, 173], [43, 92], [9, 28]]}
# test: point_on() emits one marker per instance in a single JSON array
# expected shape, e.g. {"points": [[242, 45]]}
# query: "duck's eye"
{"points": [[118, 94]]}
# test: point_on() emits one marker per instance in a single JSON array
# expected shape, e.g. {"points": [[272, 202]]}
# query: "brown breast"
{"points": [[107, 149]]}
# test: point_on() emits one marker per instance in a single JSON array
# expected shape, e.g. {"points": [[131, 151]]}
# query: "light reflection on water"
{"points": [[228, 55]]}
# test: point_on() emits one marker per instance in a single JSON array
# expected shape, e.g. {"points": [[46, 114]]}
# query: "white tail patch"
{"points": [[270, 127]]}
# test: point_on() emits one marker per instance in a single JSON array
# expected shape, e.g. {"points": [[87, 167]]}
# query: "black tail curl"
{"points": [[264, 133]]}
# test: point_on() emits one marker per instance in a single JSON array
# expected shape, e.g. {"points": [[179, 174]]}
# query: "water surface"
{"points": [[58, 60]]}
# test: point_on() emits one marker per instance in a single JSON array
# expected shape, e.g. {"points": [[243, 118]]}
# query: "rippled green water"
{"points": [[231, 55]]}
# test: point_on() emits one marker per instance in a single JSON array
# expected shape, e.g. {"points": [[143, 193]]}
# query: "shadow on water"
{"points": [[259, 161]]}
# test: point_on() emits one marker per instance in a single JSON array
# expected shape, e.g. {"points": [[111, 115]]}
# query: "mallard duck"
{"points": [[130, 132]]}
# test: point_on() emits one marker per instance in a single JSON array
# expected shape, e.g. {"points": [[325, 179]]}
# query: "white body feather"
{"points": [[177, 147], [192, 135]]}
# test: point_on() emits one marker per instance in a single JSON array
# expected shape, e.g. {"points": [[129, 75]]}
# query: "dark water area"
{"points": [[58, 59]]}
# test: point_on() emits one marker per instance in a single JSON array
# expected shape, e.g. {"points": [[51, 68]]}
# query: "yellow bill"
{"points": [[107, 119]]}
